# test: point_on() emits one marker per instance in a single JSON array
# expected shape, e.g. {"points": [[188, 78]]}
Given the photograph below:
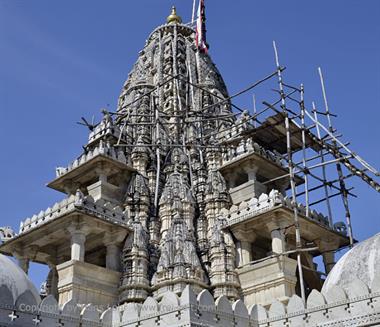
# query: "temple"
{"points": [[183, 209]]}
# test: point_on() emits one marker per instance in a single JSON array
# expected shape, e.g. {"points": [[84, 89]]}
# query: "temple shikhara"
{"points": [[184, 209]]}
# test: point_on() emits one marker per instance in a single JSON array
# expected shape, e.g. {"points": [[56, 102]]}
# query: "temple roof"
{"points": [[12, 276], [362, 261], [169, 56]]}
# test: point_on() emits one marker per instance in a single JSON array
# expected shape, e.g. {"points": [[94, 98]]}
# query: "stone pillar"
{"points": [[328, 260], [52, 282], [23, 262], [244, 247], [22, 259], [112, 242], [102, 177], [77, 246], [325, 245], [246, 254], [278, 241], [78, 239], [251, 171], [113, 257]]}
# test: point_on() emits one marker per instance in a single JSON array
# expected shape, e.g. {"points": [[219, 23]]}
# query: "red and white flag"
{"points": [[200, 36]]}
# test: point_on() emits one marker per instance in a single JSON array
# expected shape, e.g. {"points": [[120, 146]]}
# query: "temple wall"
{"points": [[356, 305]]}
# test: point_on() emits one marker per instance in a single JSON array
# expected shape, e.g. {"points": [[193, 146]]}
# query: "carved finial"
{"points": [[173, 18]]}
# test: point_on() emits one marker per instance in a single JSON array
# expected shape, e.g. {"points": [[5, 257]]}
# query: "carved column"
{"points": [[276, 228], [22, 259], [112, 242], [278, 241], [324, 246], [329, 261], [52, 280], [23, 262], [78, 239], [113, 257], [246, 237]]}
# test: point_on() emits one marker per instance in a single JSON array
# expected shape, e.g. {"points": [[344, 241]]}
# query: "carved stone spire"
{"points": [[135, 282], [177, 192]]}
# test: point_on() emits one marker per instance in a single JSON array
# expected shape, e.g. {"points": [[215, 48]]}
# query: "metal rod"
{"points": [[268, 106], [122, 115], [157, 132], [318, 156], [338, 165], [333, 137], [330, 215], [291, 174], [302, 105], [122, 129], [314, 188], [227, 99], [254, 110], [335, 152], [305, 170], [283, 253], [330, 196]]}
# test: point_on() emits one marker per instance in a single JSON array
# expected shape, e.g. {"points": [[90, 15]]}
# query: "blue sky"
{"points": [[61, 60]]}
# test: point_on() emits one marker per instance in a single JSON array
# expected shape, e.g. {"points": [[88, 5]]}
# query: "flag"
{"points": [[200, 36]]}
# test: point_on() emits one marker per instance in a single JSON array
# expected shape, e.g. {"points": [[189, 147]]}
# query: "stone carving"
{"points": [[6, 233], [78, 202]]}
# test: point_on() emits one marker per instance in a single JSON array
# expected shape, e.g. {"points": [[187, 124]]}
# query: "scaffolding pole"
{"points": [[291, 174], [328, 204], [254, 110], [302, 105], [338, 165]]}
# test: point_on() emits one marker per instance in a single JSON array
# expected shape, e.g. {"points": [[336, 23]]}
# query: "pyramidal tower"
{"points": [[176, 193], [175, 188]]}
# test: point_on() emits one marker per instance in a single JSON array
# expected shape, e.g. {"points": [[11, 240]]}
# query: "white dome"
{"points": [[12, 276], [362, 261]]}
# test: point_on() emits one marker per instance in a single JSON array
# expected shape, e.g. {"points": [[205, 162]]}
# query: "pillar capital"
{"points": [[51, 262], [245, 234], [114, 238], [78, 229], [17, 252], [278, 240], [22, 259], [78, 234], [326, 245], [276, 223]]}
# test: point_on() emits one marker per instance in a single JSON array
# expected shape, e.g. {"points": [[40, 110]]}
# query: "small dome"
{"points": [[362, 261], [173, 18], [12, 276]]}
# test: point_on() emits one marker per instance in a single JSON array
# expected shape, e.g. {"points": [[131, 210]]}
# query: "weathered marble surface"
{"points": [[15, 279], [362, 261]]}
